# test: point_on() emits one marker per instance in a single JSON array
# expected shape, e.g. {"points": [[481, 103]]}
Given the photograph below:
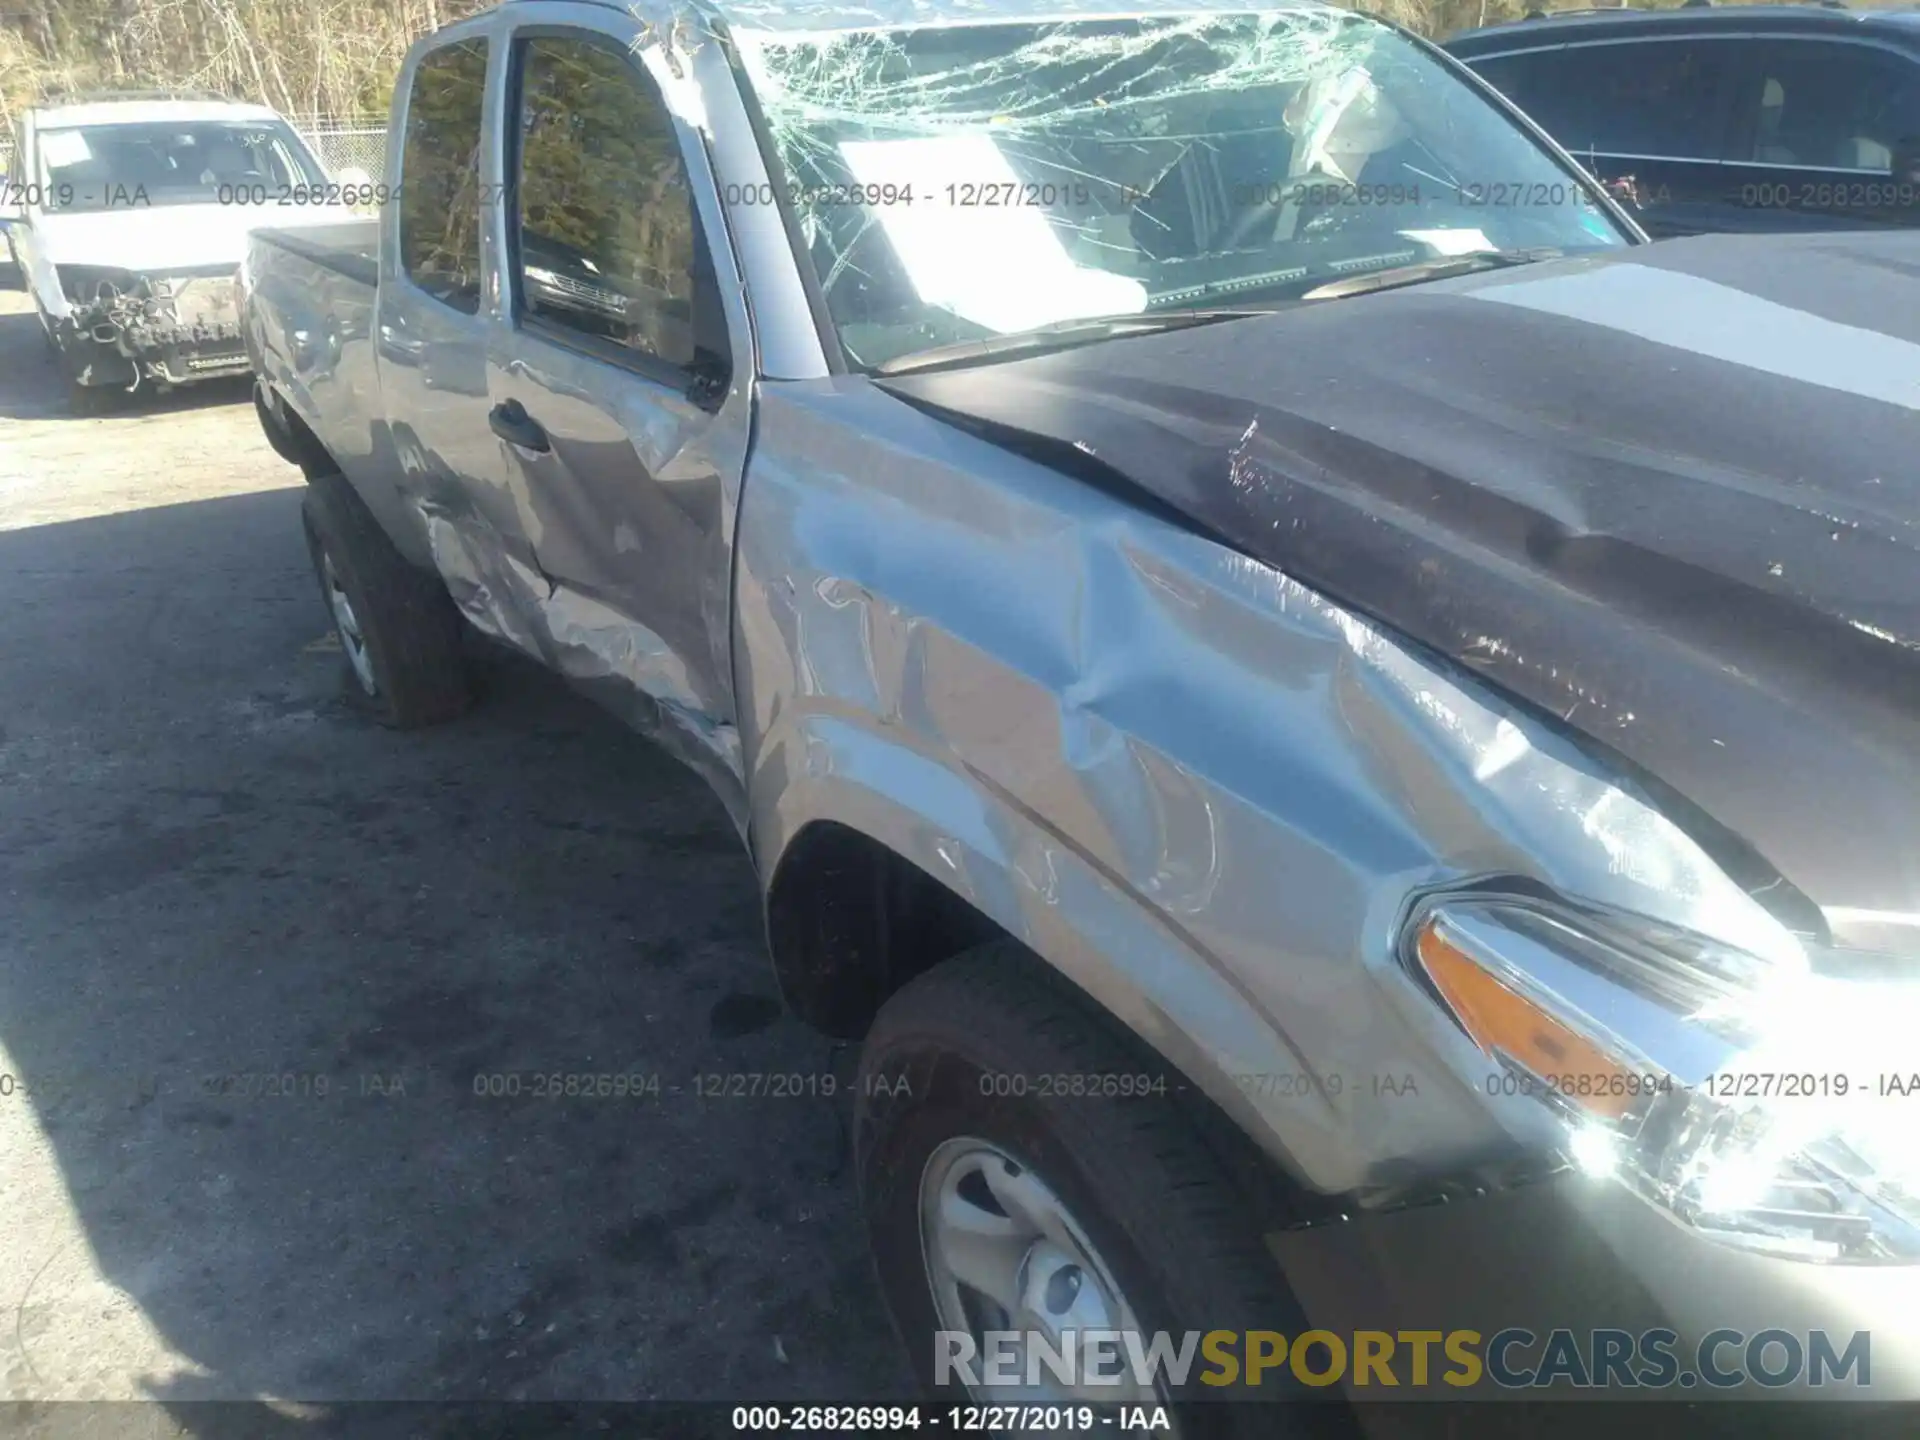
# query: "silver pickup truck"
{"points": [[1342, 729]]}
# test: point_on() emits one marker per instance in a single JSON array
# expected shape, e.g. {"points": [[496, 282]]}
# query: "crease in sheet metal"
{"points": [[1710, 570], [611, 657], [1201, 788]]}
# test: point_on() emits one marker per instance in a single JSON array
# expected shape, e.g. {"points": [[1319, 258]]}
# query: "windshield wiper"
{"points": [[1438, 268], [1059, 335]]}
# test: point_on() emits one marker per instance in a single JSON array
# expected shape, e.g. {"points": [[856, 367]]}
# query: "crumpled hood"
{"points": [[1670, 497]]}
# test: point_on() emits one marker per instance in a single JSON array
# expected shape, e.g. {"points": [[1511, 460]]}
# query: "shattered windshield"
{"points": [[959, 182]]}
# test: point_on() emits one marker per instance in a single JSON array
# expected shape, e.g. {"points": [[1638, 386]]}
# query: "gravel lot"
{"points": [[211, 867]]}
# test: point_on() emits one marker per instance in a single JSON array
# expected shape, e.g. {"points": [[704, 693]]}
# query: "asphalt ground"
{"points": [[270, 975]]}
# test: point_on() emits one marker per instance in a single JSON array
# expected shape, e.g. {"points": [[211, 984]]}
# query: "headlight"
{"points": [[1772, 1105]]}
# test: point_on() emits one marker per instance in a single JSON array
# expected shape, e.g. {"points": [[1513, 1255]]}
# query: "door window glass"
{"points": [[1832, 106], [1656, 98], [607, 242], [440, 175]]}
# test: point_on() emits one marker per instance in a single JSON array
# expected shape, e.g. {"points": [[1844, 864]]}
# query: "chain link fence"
{"points": [[352, 145]]}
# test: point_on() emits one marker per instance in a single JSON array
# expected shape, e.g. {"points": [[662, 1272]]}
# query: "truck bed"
{"points": [[351, 249], [308, 318]]}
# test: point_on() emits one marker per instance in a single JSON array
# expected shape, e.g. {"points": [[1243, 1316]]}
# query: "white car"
{"points": [[128, 217]]}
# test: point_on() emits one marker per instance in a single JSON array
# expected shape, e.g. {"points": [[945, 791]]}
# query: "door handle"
{"points": [[510, 421]]}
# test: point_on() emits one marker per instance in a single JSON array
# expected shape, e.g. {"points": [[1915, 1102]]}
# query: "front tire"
{"points": [[1043, 1211], [84, 400], [90, 401], [396, 624]]}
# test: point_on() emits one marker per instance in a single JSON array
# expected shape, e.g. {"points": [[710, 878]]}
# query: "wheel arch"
{"points": [[879, 863], [291, 437], [849, 921]]}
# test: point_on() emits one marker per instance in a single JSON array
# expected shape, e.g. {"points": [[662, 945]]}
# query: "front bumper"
{"points": [[1586, 1257]]}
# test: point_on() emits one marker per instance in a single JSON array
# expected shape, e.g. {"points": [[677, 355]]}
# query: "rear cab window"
{"points": [[607, 253], [440, 190]]}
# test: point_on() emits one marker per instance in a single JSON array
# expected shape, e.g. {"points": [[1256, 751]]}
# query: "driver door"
{"points": [[612, 378]]}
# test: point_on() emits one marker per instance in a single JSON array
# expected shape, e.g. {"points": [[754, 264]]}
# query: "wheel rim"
{"points": [[1004, 1253], [351, 640]]}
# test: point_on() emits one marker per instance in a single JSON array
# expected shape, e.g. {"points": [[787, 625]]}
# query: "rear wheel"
{"points": [[998, 1200], [396, 625]]}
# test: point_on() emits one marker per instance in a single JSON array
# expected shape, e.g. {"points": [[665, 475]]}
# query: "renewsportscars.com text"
{"points": [[1513, 1359]]}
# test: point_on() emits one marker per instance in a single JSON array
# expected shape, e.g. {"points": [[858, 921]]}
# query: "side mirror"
{"points": [[708, 379], [354, 176]]}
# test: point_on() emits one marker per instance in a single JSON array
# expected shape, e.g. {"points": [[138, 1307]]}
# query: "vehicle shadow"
{"points": [[277, 991], [37, 390]]}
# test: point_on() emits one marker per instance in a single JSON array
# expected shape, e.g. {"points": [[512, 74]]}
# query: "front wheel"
{"points": [[1025, 1174], [82, 399], [90, 400]]}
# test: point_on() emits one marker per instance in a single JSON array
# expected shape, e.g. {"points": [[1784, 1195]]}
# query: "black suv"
{"points": [[1738, 118]]}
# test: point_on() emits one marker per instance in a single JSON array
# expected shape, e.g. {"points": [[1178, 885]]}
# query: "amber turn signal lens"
{"points": [[1501, 1021]]}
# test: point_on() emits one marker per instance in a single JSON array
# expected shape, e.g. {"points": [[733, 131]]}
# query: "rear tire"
{"points": [[1170, 1243], [396, 624]]}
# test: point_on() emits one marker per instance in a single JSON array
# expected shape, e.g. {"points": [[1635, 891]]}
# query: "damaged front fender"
{"points": [[1199, 789]]}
